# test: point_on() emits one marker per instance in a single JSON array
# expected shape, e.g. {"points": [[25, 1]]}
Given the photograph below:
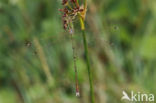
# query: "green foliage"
{"points": [[36, 63]]}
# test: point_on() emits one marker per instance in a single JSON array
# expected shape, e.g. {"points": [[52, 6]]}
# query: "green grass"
{"points": [[120, 41]]}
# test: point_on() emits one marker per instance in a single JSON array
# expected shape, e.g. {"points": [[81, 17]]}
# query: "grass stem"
{"points": [[87, 60]]}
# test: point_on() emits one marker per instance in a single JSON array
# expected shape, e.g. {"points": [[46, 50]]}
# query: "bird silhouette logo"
{"points": [[125, 96]]}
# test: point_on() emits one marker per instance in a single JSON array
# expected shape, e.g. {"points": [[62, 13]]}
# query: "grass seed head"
{"points": [[71, 13]]}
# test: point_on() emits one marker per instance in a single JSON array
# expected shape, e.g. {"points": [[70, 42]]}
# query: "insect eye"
{"points": [[71, 31]]}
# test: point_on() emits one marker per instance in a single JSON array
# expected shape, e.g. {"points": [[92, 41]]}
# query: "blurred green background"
{"points": [[36, 64]]}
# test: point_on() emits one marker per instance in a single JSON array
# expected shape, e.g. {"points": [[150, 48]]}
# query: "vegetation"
{"points": [[36, 53]]}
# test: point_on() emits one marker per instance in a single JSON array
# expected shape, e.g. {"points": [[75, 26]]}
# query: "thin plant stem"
{"points": [[85, 4], [77, 3], [43, 60], [87, 60]]}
